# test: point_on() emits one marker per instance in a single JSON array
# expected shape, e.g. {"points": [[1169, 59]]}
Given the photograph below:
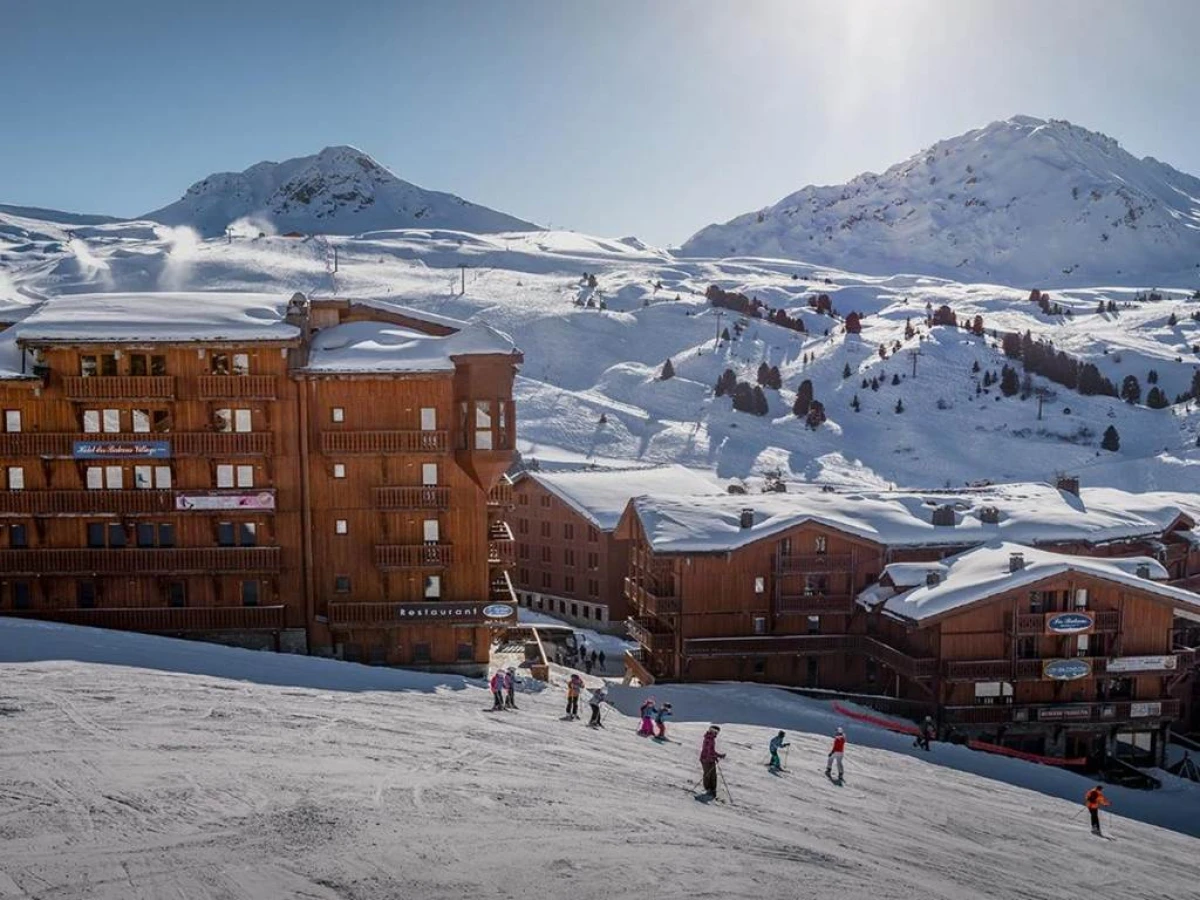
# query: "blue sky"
{"points": [[614, 117]]}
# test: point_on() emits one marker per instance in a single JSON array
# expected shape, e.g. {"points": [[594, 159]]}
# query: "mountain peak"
{"points": [[339, 190]]}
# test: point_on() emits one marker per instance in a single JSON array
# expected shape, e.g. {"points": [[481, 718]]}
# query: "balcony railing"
{"points": [[119, 387], [813, 644], [183, 443], [413, 556], [66, 503], [649, 602], [816, 604], [412, 497], [501, 494], [640, 631], [1122, 710], [236, 387], [141, 561], [1108, 620], [363, 442], [502, 589], [815, 562], [502, 548], [169, 620]]}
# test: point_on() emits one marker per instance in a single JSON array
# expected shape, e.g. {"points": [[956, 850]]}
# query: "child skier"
{"points": [[835, 755], [660, 719], [1093, 800], [510, 681], [497, 685], [927, 733], [574, 686], [647, 712], [777, 742], [598, 695], [709, 757]]}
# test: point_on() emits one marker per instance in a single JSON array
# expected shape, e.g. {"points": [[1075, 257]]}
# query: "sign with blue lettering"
{"points": [[1070, 623], [121, 450], [498, 611], [1066, 669]]}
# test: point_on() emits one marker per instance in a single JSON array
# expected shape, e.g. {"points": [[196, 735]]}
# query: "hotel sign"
{"points": [[204, 500], [121, 450], [454, 613], [1070, 623], [1066, 669], [1142, 664], [1144, 710]]}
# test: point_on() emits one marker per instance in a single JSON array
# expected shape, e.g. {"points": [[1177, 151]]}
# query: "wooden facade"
{"points": [[226, 490]]}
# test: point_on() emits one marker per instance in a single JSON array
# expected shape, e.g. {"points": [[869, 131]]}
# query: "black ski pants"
{"points": [[595, 714], [1095, 820], [710, 776]]}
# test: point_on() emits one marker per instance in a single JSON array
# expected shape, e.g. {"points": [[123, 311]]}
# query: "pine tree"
{"points": [[977, 326], [1152, 376], [853, 323], [816, 415], [1131, 390], [854, 404], [1010, 383], [874, 384], [896, 378], [763, 369], [909, 331], [899, 406], [1100, 308], [1111, 440], [726, 383], [975, 367], [774, 379], [761, 407], [1196, 383], [743, 397], [804, 396], [865, 384], [1156, 399], [846, 373], [668, 370], [725, 335]]}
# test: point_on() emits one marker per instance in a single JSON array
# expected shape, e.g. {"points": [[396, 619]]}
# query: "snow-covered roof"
{"points": [[365, 346], [160, 318], [601, 495], [985, 572], [10, 356], [1025, 513]]}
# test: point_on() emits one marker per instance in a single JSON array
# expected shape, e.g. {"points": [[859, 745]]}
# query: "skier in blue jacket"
{"points": [[660, 719], [776, 744]]}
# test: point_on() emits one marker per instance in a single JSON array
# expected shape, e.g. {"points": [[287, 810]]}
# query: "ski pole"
{"points": [[724, 784], [786, 751], [1077, 814]]}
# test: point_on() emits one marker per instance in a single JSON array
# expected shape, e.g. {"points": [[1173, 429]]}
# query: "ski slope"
{"points": [[143, 767]]}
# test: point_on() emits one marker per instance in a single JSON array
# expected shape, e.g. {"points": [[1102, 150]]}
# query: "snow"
{"points": [[383, 347], [340, 190], [1027, 514], [601, 495], [611, 645], [1022, 201], [138, 777], [160, 317], [984, 572]]}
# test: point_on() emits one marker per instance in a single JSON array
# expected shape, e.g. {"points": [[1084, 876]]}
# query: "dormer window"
{"points": [[820, 544]]}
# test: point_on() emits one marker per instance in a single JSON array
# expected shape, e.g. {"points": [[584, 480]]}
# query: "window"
{"points": [[241, 420], [225, 534], [162, 477], [95, 534], [18, 537], [433, 587], [593, 587], [143, 477], [91, 421], [20, 595], [990, 692], [138, 364], [166, 535], [546, 580], [160, 420], [545, 529], [158, 365], [1027, 648], [339, 470], [814, 624], [421, 653], [224, 476], [176, 593], [145, 534], [108, 364], [219, 364], [522, 526], [568, 532], [114, 478], [1082, 642], [466, 652], [339, 414], [523, 499], [87, 366], [85, 594], [545, 554], [429, 474], [430, 531], [16, 478], [523, 576], [502, 436], [483, 425], [223, 420], [569, 557], [760, 625], [812, 670], [569, 584], [544, 500], [341, 584], [112, 421], [523, 550], [248, 534], [575, 609], [593, 535], [116, 536], [587, 612], [12, 420], [820, 544], [341, 526], [760, 584], [1035, 602], [760, 667], [428, 418], [241, 364], [140, 419], [593, 561], [1081, 598], [250, 593], [245, 476]]}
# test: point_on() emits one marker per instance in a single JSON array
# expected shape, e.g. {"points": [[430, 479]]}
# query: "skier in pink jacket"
{"points": [[709, 757], [497, 685]]}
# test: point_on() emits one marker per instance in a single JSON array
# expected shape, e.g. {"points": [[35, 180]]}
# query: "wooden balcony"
{"points": [[810, 645], [392, 497], [383, 442], [501, 494], [60, 445], [649, 602], [141, 561], [1063, 713], [236, 387], [815, 604], [413, 556], [815, 563], [502, 590], [641, 631], [92, 503], [502, 547], [168, 620], [1035, 623], [119, 387]]}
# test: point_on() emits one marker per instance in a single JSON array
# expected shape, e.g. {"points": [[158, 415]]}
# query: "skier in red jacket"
{"points": [[835, 755], [709, 757]]}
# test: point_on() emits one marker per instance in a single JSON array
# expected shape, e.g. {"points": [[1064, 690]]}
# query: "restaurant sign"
{"points": [[1070, 623], [1066, 669], [205, 500], [1144, 710], [1142, 664], [1061, 713], [453, 613], [121, 450]]}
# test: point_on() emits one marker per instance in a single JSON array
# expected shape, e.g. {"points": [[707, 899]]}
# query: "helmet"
{"points": [[714, 727], [666, 706], [839, 731], [781, 734]]}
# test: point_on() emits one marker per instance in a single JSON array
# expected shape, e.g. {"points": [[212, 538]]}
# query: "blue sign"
{"points": [[1066, 669], [1070, 623], [122, 450], [498, 611]]}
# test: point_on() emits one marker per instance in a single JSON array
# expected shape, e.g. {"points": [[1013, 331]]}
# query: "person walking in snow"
{"points": [[592, 658], [497, 685], [587, 666], [647, 713], [709, 757], [927, 733], [510, 681], [598, 696], [601, 660], [776, 744], [660, 719], [574, 686], [1093, 800], [835, 755]]}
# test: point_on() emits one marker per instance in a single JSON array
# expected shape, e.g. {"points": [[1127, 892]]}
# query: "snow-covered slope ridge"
{"points": [[1023, 201], [137, 768], [340, 190]]}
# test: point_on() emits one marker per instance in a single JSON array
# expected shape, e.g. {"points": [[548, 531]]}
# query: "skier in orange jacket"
{"points": [[1093, 800]]}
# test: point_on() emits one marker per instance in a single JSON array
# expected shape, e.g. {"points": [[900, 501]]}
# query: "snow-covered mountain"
{"points": [[1022, 201], [340, 190]]}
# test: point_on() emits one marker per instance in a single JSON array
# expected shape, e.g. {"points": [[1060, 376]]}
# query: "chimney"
{"points": [[932, 578], [1067, 483], [944, 515], [747, 518], [1143, 571], [1016, 562], [989, 515]]}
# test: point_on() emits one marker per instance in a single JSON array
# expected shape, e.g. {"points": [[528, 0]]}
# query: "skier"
{"points": [[835, 755], [510, 680], [592, 658], [497, 685], [647, 712], [1093, 800], [574, 686], [601, 660], [927, 733], [660, 719], [598, 695], [709, 757], [587, 665], [776, 744]]}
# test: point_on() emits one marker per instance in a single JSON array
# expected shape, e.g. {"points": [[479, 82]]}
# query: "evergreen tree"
{"points": [[896, 378], [668, 370], [761, 407], [743, 397], [846, 373], [977, 326], [1012, 345], [1152, 376], [1173, 320], [1196, 383], [763, 370], [774, 379], [1131, 391], [1111, 440], [975, 367], [854, 404], [726, 383], [853, 323], [909, 331], [804, 396], [874, 384], [1156, 399], [899, 406], [725, 335], [1010, 383], [816, 415], [865, 384]]}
